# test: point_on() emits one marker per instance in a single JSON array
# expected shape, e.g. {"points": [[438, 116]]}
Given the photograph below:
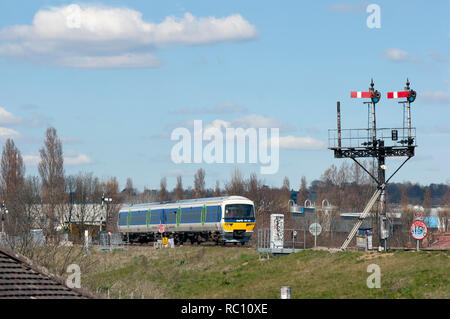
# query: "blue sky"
{"points": [[285, 65]]}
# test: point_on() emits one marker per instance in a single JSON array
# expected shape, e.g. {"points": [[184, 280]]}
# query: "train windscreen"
{"points": [[239, 211]]}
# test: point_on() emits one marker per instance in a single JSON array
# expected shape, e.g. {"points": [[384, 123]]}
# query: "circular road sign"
{"points": [[161, 228], [315, 229], [418, 230]]}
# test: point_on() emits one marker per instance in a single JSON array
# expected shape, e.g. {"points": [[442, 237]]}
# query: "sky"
{"points": [[116, 79]]}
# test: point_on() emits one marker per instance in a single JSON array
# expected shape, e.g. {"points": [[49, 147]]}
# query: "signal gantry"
{"points": [[376, 143]]}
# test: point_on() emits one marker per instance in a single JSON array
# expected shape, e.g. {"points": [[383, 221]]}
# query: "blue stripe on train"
{"points": [[168, 216]]}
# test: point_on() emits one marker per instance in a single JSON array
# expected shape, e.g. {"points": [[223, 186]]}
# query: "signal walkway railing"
{"points": [[360, 138]]}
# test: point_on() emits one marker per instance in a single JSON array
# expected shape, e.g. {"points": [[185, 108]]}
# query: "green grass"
{"points": [[217, 272]]}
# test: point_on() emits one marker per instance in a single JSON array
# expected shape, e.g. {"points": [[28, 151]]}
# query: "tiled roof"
{"points": [[20, 278], [443, 241]]}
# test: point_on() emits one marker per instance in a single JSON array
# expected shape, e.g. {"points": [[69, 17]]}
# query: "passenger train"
{"points": [[229, 219]]}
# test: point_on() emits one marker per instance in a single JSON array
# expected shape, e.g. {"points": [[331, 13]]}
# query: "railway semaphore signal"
{"points": [[410, 96], [376, 143]]}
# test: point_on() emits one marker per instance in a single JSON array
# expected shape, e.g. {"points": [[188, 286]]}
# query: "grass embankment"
{"points": [[217, 272]]}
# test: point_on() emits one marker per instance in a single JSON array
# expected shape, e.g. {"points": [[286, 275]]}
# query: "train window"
{"points": [[123, 219], [155, 217], [239, 211], [212, 214], [170, 216], [191, 214], [137, 218]]}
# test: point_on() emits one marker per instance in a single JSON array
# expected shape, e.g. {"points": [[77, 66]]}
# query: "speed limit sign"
{"points": [[418, 230]]}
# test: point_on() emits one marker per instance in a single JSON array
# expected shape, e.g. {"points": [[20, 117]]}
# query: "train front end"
{"points": [[238, 220]]}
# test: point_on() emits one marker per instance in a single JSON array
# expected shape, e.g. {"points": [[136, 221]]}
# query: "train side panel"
{"points": [[208, 219]]}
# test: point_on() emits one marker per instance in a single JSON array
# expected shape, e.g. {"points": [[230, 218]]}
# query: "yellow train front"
{"points": [[238, 221], [228, 219]]}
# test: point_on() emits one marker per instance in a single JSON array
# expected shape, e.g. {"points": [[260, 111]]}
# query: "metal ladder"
{"points": [[361, 218]]}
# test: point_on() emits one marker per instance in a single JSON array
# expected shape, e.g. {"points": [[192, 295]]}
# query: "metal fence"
{"points": [[107, 293], [294, 240], [110, 241], [33, 239]]}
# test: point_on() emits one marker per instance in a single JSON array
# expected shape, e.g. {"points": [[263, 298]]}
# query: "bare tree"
{"points": [[70, 188], [217, 191], [148, 196], [427, 201], [199, 183], [163, 194], [303, 191], [51, 171], [32, 199], [343, 174], [86, 195], [329, 177], [285, 194], [356, 174], [179, 191], [404, 198], [129, 191], [254, 187], [237, 184], [12, 186]]}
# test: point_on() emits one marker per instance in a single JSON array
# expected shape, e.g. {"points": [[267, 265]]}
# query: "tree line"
{"points": [[46, 200]]}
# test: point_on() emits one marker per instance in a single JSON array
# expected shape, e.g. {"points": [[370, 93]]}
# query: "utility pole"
{"points": [[106, 201]]}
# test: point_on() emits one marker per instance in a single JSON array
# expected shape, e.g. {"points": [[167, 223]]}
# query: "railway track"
{"points": [[188, 244]]}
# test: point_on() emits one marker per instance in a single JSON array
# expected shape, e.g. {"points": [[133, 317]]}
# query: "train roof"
{"points": [[184, 202]]}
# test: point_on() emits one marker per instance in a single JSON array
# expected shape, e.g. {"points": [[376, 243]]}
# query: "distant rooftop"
{"points": [[21, 279]]}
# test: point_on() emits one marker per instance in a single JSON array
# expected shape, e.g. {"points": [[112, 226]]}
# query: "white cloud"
{"points": [[7, 117], [70, 140], [80, 159], [398, 55], [92, 36], [71, 159], [299, 143], [435, 97], [260, 121], [128, 60], [437, 57], [179, 172], [31, 160], [219, 124], [284, 142], [251, 121], [7, 132]]}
